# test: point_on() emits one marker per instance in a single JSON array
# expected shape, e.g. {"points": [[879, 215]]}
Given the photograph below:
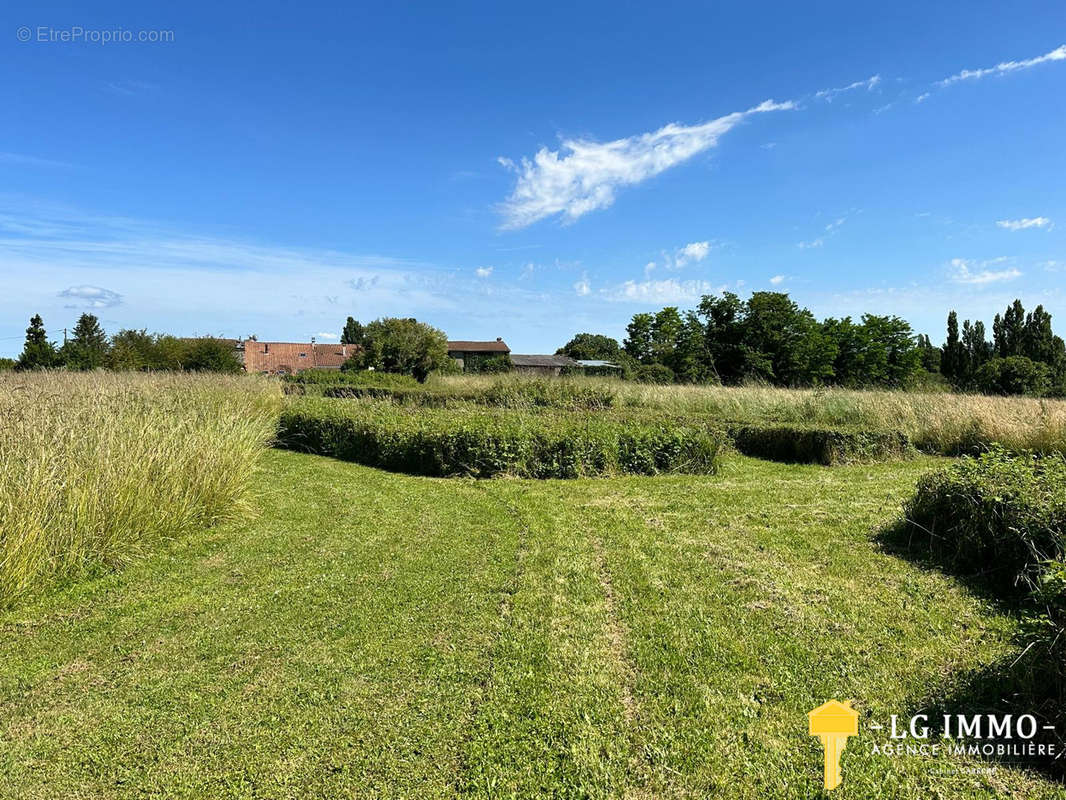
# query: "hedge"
{"points": [[816, 445], [1000, 520], [486, 443], [519, 394], [1000, 514]]}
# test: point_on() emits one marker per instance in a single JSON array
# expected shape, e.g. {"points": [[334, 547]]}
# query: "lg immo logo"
{"points": [[833, 723], [1003, 736]]}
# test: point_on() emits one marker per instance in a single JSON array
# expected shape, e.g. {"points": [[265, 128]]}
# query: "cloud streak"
{"points": [[976, 273], [829, 94], [1022, 224], [1058, 54], [584, 176]]}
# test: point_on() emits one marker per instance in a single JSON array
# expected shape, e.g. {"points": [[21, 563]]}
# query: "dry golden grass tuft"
{"points": [[97, 467]]}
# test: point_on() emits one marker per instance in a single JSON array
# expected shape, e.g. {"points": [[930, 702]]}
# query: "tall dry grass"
{"points": [[95, 468], [935, 423]]}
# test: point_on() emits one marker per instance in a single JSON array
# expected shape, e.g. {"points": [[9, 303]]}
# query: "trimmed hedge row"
{"points": [[525, 394], [482, 443], [809, 445]]}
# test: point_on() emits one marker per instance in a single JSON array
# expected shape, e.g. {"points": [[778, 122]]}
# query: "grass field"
{"points": [[371, 634]]}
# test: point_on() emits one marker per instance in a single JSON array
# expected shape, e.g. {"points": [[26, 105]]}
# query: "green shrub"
{"points": [[486, 443], [811, 445], [1014, 375], [488, 365], [999, 515], [654, 373]]}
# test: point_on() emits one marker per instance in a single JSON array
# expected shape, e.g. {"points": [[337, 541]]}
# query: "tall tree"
{"points": [[638, 341], [951, 362], [665, 331], [37, 352], [723, 319], [87, 348], [353, 332]]}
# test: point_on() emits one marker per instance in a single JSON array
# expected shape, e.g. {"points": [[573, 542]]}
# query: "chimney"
{"points": [[266, 347], [499, 338]]}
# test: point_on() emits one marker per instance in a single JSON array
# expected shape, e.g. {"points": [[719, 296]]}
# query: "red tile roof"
{"points": [[292, 357]]}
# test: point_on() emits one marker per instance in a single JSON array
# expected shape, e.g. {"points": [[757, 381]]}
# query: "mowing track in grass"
{"points": [[381, 635]]}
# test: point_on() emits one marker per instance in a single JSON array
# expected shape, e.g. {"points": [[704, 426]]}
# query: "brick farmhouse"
{"points": [[288, 358]]}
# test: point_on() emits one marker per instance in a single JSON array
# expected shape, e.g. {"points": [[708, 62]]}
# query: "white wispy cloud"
{"points": [[691, 253], [835, 224], [1058, 54], [812, 243], [583, 176], [583, 287], [483, 272], [977, 273], [668, 291], [777, 280], [829, 94], [922, 97], [1026, 222], [90, 297], [326, 336]]}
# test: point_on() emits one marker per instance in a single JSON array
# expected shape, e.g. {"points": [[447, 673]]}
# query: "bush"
{"points": [[488, 365], [1014, 375], [1000, 520], [808, 445], [1000, 516], [484, 444], [401, 345], [654, 373], [96, 468]]}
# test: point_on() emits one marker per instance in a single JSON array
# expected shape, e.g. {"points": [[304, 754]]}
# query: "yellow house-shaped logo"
{"points": [[833, 722]]}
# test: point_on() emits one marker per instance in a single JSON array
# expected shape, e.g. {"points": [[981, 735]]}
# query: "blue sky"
{"points": [[271, 168]]}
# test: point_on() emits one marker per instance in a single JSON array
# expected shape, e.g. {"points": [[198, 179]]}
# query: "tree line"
{"points": [[769, 338], [89, 347]]}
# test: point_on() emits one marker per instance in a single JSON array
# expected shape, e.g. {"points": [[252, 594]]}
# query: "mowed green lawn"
{"points": [[373, 634]]}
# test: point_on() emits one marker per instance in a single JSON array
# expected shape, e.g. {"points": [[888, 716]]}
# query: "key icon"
{"points": [[833, 723]]}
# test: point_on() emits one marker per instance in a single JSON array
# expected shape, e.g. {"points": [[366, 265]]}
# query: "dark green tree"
{"points": [[691, 361], [134, 350], [37, 352], [638, 341], [353, 332], [208, 354], [87, 348], [929, 354], [723, 319], [591, 346], [952, 358]]}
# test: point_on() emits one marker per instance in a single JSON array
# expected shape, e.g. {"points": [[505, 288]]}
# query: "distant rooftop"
{"points": [[459, 346], [542, 361], [586, 362]]}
